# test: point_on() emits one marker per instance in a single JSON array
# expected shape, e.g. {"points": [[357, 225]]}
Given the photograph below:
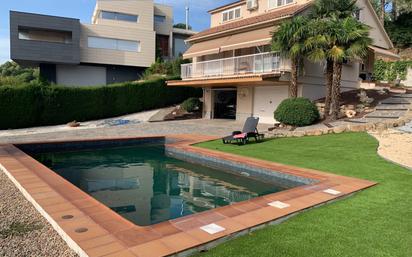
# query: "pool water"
{"points": [[146, 187]]}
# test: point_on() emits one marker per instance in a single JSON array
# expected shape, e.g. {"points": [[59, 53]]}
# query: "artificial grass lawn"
{"points": [[374, 222]]}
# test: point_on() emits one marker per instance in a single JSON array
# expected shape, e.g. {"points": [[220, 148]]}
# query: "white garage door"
{"points": [[266, 100], [80, 75]]}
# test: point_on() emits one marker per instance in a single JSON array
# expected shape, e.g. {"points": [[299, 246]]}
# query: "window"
{"points": [[118, 16], [231, 14], [114, 44], [159, 18], [53, 36], [279, 3]]}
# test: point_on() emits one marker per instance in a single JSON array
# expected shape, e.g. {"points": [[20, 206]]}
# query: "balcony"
{"points": [[262, 63]]}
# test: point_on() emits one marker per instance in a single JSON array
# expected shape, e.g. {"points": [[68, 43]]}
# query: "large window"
{"points": [[279, 3], [114, 44], [53, 36], [231, 14], [118, 16], [159, 18]]}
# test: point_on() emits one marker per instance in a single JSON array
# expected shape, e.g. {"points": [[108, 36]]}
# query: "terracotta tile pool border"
{"points": [[92, 229]]}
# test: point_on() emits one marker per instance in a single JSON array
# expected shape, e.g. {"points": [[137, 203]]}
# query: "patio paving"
{"points": [[216, 128]]}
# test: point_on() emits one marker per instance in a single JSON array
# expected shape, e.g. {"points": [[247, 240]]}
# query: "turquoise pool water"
{"points": [[146, 187]]}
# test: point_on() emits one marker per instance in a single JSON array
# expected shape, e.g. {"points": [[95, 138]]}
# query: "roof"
{"points": [[267, 17], [184, 32], [226, 5]]}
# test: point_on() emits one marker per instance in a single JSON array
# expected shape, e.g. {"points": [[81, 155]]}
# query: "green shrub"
{"points": [[192, 104], [390, 71], [36, 104], [297, 112]]}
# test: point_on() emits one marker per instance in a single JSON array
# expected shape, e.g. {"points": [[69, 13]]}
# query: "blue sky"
{"points": [[83, 9]]}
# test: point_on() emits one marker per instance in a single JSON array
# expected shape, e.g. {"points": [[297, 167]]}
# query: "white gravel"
{"points": [[40, 241]]}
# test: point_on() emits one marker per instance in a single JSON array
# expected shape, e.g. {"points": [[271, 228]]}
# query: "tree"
{"points": [[181, 26], [400, 30], [344, 40], [289, 41], [316, 44]]}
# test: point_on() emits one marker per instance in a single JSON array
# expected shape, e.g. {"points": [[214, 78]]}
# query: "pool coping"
{"points": [[92, 229]]}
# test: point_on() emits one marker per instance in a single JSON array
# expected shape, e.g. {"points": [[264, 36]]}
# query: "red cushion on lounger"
{"points": [[238, 136]]}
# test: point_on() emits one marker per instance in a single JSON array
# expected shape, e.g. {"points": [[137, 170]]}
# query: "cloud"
{"points": [[4, 49]]}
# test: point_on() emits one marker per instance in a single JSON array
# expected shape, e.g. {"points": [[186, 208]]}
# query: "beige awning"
{"points": [[384, 52], [205, 48], [253, 38]]}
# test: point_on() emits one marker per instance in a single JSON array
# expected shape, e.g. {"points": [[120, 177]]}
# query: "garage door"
{"points": [[80, 75], [266, 100]]}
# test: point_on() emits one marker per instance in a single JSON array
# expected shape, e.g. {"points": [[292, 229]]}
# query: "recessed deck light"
{"points": [[331, 191], [212, 228], [279, 204]]}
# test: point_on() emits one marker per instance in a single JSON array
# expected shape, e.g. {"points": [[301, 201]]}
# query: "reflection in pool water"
{"points": [[145, 186]]}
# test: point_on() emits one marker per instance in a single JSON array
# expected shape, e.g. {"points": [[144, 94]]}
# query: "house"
{"points": [[241, 77], [118, 45]]}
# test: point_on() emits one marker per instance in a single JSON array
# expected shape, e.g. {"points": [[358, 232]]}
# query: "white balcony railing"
{"points": [[240, 65]]}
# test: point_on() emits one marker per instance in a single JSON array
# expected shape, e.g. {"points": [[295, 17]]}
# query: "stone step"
{"points": [[403, 96], [385, 114], [395, 100], [395, 107], [359, 120]]}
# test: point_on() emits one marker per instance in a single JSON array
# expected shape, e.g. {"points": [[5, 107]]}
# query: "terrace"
{"points": [[253, 64]]}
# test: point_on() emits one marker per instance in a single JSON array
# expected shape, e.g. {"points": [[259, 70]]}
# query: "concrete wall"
{"points": [[28, 51], [164, 28], [244, 108], [144, 58], [312, 79], [369, 17], [143, 8], [408, 81], [80, 75]]}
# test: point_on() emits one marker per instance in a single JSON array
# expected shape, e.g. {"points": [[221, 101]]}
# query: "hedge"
{"points": [[35, 104]]}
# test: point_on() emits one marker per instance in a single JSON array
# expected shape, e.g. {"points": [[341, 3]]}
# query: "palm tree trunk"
{"points": [[382, 14], [329, 81], [293, 87], [337, 77]]}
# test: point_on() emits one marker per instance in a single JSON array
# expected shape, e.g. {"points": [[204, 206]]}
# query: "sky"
{"points": [[83, 9]]}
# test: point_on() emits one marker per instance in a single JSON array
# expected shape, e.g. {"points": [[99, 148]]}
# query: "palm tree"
{"points": [[316, 44], [349, 41], [289, 41], [336, 40]]}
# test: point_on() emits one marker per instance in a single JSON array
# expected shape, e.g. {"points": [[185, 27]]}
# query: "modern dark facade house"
{"points": [[117, 46]]}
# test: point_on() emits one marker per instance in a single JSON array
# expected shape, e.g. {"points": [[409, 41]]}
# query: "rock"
{"points": [[338, 130], [356, 128], [380, 127], [315, 132], [73, 124], [369, 126], [299, 133]]}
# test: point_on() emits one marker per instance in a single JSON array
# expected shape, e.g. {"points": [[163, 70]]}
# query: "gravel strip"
{"points": [[23, 231], [395, 146]]}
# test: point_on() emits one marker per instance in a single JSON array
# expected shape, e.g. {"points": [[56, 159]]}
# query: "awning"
{"points": [[384, 52], [205, 48], [253, 38]]}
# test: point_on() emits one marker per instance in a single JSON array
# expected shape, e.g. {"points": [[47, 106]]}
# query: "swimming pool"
{"points": [[146, 186]]}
